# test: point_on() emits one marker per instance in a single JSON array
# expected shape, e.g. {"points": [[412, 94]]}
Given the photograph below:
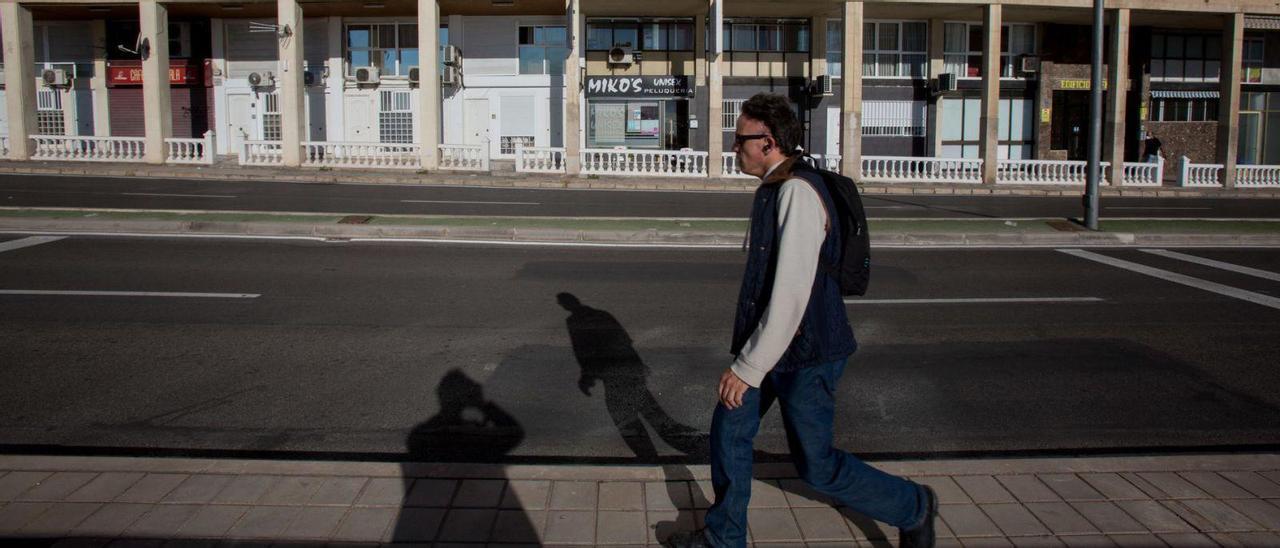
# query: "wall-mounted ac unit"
{"points": [[452, 55], [822, 85], [452, 77], [367, 75], [1029, 63], [262, 79], [55, 78], [310, 78], [621, 55], [413, 75], [946, 82]]}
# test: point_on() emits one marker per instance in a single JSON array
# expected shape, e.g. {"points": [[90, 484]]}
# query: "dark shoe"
{"points": [[923, 536], [688, 539]]}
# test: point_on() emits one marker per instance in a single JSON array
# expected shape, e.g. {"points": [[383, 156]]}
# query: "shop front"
{"points": [[640, 112]]}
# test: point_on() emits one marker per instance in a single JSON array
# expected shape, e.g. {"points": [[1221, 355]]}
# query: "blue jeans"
{"points": [[808, 408]]}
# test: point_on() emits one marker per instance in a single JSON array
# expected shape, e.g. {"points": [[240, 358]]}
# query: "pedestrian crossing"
{"points": [[1255, 297]]}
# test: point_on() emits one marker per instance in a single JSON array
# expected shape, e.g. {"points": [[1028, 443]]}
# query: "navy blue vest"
{"points": [[824, 334]]}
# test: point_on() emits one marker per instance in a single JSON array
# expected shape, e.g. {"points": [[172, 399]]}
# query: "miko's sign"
{"points": [[639, 86]]}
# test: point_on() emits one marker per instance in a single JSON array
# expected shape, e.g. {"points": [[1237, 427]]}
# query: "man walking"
{"points": [[791, 339]]}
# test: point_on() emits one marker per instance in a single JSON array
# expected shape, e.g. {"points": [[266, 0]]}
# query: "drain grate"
{"points": [[355, 220], [1064, 225]]}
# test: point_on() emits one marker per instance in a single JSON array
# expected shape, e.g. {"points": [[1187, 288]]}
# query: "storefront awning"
{"points": [[1182, 94]]}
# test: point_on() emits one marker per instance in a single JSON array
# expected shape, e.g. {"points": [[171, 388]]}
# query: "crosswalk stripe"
{"points": [[27, 242], [1235, 292], [1264, 274]]}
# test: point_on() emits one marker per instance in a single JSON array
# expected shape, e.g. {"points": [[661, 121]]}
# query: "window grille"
{"points": [[49, 116], [271, 126], [893, 118], [395, 117], [507, 143], [731, 108]]}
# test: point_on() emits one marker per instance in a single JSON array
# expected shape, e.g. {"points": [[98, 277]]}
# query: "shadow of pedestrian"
{"points": [[467, 429]]}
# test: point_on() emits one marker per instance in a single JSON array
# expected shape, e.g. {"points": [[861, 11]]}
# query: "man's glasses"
{"points": [[740, 139]]}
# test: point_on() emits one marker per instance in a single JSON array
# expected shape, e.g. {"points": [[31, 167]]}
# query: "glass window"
{"points": [[599, 36], [682, 37], [391, 47], [744, 37], [785, 36], [542, 50], [625, 35]]}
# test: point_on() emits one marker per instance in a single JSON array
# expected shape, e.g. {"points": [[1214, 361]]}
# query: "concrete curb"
{"points": [[613, 237]]}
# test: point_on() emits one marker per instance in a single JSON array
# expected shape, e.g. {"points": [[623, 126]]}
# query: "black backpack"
{"points": [[853, 269]]}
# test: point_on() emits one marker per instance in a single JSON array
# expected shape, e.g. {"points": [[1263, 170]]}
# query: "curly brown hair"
{"points": [[775, 113]]}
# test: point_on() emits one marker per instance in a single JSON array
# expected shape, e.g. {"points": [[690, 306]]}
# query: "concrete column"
{"points": [[715, 107], [937, 64], [335, 122], [429, 84], [851, 93], [1229, 105], [154, 19], [990, 122], [700, 49], [292, 87], [818, 49], [573, 91], [98, 83], [1117, 85], [19, 77]]}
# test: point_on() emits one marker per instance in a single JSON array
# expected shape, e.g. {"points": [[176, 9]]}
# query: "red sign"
{"points": [[131, 74]]}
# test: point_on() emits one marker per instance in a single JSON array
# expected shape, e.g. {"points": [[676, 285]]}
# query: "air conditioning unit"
{"points": [[1029, 63], [310, 78], [621, 55], [56, 78], [262, 79], [413, 75], [946, 82], [821, 85], [452, 55], [367, 75], [452, 77]]}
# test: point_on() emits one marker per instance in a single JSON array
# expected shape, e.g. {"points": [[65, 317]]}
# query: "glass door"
{"points": [[1250, 149]]}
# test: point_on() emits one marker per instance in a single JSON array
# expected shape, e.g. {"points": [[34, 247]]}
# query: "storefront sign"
{"points": [[131, 75], [1084, 85], [639, 86]]}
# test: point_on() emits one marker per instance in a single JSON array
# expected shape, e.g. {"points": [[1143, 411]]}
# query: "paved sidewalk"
{"points": [[1204, 500]]}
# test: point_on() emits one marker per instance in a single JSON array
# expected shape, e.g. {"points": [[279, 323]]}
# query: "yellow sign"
{"points": [[1078, 84], [1046, 115]]}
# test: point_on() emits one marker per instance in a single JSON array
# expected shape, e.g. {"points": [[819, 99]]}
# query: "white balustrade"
{"points": [[539, 159], [654, 163], [4, 146], [903, 169], [88, 149], [361, 155], [1257, 176], [190, 151], [464, 157], [262, 153], [1144, 173], [1198, 175], [729, 166], [1051, 172]]}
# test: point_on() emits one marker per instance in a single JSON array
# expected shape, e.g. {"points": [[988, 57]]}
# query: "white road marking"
{"points": [[1256, 298], [1264, 274], [28, 242], [1153, 207], [1014, 300], [467, 202], [131, 294], [176, 195]]}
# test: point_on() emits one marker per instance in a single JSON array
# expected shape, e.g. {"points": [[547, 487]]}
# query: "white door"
{"points": [[242, 120], [361, 119], [833, 131], [476, 122]]}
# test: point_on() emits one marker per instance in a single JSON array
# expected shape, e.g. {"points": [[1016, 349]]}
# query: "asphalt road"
{"points": [[479, 353], [146, 193]]}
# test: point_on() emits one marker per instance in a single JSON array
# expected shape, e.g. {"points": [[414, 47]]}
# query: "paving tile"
{"points": [[527, 494], [15, 483], [1197, 522], [867, 529], [624, 527], [424, 492], [151, 488], [417, 524], [779, 545], [948, 491], [245, 489], [822, 524], [136, 543], [800, 495], [1136, 541], [263, 522], [314, 522], [1109, 518], [1222, 516], [59, 520], [478, 493], [111, 519], [1173, 486], [56, 487], [1086, 541], [942, 543], [772, 524], [661, 524], [1060, 518], [621, 495], [1070, 487], [468, 524], [1188, 540], [1027, 488], [291, 490], [570, 527], [1114, 486], [213, 521], [573, 495], [1155, 516], [105, 487], [163, 521], [365, 524], [984, 489], [1273, 475], [766, 494], [81, 543], [337, 491], [667, 495], [197, 489], [517, 526], [1265, 513], [1014, 519], [703, 493], [1254, 483], [1217, 486], [1251, 540], [992, 542], [966, 520], [1036, 542]]}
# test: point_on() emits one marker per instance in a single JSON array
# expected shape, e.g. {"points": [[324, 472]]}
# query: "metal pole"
{"points": [[1095, 122]]}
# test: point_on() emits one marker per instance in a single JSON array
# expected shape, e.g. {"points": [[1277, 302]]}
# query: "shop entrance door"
{"points": [[1071, 123], [1250, 138], [241, 121], [476, 122]]}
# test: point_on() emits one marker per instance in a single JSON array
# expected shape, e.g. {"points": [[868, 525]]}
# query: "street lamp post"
{"points": [[1095, 122]]}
